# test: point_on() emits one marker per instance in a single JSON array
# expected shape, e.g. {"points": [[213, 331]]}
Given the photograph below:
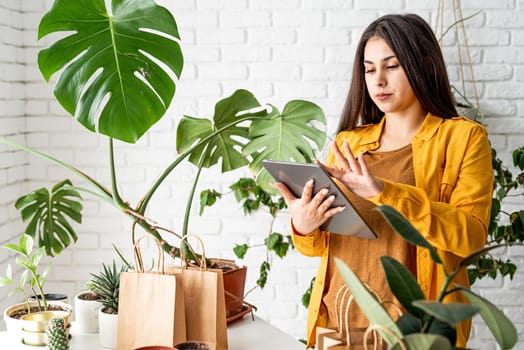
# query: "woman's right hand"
{"points": [[309, 211]]}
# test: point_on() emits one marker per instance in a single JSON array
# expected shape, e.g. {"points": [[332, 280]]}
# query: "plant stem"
{"points": [[116, 196], [141, 208]]}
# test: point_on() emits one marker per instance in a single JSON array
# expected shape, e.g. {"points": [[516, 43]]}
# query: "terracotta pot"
{"points": [[234, 284], [192, 345]]}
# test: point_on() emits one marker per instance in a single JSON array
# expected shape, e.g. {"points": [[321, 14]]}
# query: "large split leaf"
{"points": [[287, 136], [226, 144], [49, 215], [119, 69]]}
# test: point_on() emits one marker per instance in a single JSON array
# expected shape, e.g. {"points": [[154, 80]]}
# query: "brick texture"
{"points": [[280, 50]]}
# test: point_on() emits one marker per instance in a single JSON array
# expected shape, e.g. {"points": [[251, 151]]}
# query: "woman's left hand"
{"points": [[353, 172]]}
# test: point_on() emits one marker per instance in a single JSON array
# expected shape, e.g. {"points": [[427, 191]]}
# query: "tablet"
{"points": [[295, 176]]}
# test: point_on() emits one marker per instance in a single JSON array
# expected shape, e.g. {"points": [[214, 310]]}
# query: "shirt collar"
{"points": [[427, 130]]}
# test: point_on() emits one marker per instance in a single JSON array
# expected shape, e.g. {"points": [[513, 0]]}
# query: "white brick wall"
{"points": [[279, 50]]}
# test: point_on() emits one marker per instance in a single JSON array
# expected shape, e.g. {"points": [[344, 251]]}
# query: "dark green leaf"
{"points": [[286, 136], [404, 228], [451, 313], [225, 145], [240, 250], [409, 324], [208, 198], [402, 284], [306, 297], [500, 326], [109, 82], [264, 271], [473, 257], [49, 215]]}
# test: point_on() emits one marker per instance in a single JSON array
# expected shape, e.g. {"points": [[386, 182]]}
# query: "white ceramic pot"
{"points": [[86, 314], [107, 326], [14, 325]]}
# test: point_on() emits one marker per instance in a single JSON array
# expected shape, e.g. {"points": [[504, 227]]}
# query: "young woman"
{"points": [[400, 143]]}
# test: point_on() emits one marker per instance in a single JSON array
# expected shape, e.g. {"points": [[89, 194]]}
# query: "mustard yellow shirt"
{"points": [[449, 205]]}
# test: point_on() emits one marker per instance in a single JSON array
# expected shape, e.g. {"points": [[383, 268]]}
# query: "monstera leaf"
{"points": [[227, 143], [285, 136], [48, 215], [118, 70]]}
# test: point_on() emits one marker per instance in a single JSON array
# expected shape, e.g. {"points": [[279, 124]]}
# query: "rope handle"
{"points": [[137, 255], [373, 329], [183, 258]]}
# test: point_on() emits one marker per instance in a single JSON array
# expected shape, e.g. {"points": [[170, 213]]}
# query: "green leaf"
{"points": [[425, 342], [208, 198], [306, 297], [240, 250], [49, 215], [499, 324], [286, 136], [264, 271], [372, 309], [402, 284], [473, 257], [225, 145], [404, 228], [110, 79], [275, 242], [451, 313]]}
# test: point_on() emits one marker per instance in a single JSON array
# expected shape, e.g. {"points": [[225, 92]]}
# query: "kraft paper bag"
{"points": [[205, 305], [346, 337], [151, 307]]}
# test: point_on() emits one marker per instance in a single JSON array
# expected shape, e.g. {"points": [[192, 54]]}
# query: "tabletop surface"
{"points": [[245, 334]]}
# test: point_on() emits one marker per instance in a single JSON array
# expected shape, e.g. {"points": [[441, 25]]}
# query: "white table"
{"points": [[244, 334]]}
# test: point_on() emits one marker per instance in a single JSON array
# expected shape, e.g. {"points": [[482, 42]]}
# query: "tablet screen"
{"points": [[295, 176]]}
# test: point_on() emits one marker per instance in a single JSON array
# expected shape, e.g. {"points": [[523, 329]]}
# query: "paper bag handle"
{"points": [[137, 255], [203, 262], [373, 328]]}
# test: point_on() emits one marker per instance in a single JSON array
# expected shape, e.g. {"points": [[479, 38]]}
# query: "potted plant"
{"points": [[87, 304], [33, 278], [106, 285], [112, 88], [427, 324]]}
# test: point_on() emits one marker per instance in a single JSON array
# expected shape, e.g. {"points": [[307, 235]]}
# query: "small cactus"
{"points": [[56, 335]]}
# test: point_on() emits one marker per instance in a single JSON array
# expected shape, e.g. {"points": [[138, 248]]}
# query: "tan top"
{"points": [[362, 255]]}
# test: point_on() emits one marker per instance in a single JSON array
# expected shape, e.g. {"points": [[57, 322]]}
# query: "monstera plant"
{"points": [[117, 69], [427, 324]]}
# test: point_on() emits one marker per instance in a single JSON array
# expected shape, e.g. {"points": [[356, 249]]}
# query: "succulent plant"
{"points": [[56, 335], [106, 284]]}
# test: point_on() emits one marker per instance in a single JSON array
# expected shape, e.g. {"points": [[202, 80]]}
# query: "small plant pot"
{"points": [[193, 345], [14, 313], [107, 328], [86, 312], [51, 298], [34, 326]]}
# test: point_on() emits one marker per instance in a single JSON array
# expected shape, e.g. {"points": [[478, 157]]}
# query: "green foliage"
{"points": [[425, 327], [29, 259], [48, 214], [253, 197], [106, 284], [306, 297], [505, 185], [110, 80]]}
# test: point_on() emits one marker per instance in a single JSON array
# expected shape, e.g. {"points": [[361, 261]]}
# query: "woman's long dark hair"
{"points": [[418, 52]]}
